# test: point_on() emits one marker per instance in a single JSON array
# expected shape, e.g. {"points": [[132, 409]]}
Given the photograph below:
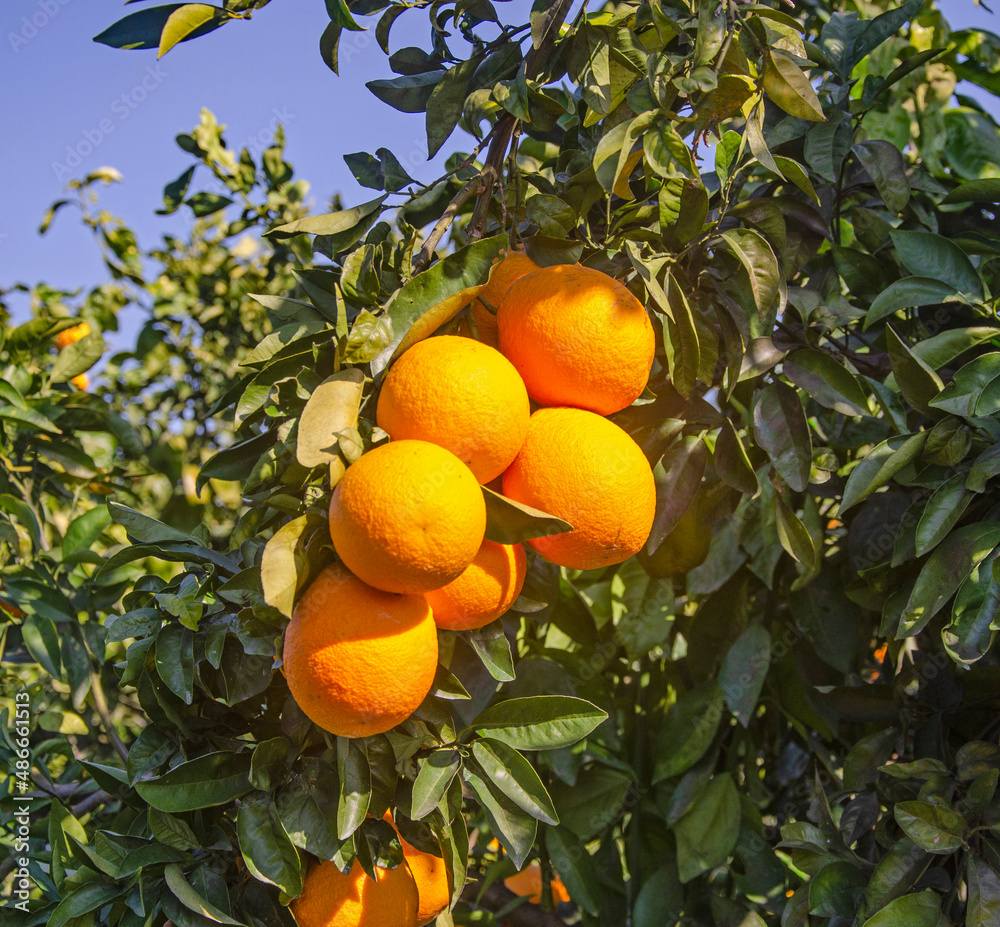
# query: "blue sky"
{"points": [[70, 105]]}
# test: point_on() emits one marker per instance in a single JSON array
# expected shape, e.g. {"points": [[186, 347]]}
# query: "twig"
{"points": [[463, 196], [496, 897], [534, 64]]}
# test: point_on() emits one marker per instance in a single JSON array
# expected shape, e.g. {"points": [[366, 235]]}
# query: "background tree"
{"points": [[801, 729]]}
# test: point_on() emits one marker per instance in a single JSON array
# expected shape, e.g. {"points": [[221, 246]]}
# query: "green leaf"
{"points": [[175, 660], [895, 874], [514, 828], [944, 509], [781, 430], [758, 259], [332, 408], [189, 897], [434, 774], [986, 190], [446, 102], [688, 730], [595, 800], [731, 461], [880, 465], [869, 35], [513, 775], [965, 394], [677, 478], [142, 529], [837, 890], [661, 899], [208, 781], [355, 778], [143, 29], [28, 417], [78, 358], [491, 645], [539, 722], [444, 281], [984, 893], [268, 853], [12, 505], [575, 866], [968, 636], [307, 808], [917, 382], [907, 294], [707, 832], [939, 258], [83, 900], [186, 20], [511, 522], [744, 669], [84, 530], [788, 85], [334, 223], [948, 567], [826, 380], [284, 565], [885, 166], [409, 93], [933, 828]]}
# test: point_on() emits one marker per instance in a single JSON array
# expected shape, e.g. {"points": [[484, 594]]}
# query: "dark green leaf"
{"points": [[744, 669], [510, 522], [880, 465], [688, 730], [210, 780], [707, 832], [513, 775], [781, 429], [268, 853], [539, 722]]}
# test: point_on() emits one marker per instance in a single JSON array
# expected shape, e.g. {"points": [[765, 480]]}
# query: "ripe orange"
{"points": [[359, 661], [461, 395], [486, 589], [431, 877], [512, 266], [529, 882], [578, 338], [81, 381], [72, 335], [331, 899], [408, 516], [588, 471]]}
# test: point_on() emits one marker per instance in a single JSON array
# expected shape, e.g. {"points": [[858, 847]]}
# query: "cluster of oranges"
{"points": [[70, 336], [408, 519]]}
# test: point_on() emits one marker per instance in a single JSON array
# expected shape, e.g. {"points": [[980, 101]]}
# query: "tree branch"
{"points": [[503, 132], [463, 196], [101, 704]]}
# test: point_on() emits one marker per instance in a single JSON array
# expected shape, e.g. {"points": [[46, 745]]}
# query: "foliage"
{"points": [[802, 729]]}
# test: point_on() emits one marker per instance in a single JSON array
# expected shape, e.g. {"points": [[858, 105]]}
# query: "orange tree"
{"points": [[794, 723]]}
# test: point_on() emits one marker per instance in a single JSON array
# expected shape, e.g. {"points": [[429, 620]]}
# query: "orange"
{"points": [[331, 899], [577, 337], [512, 266], [586, 470], [358, 661], [72, 335], [81, 381], [486, 589], [529, 882], [431, 877], [408, 516], [461, 395]]}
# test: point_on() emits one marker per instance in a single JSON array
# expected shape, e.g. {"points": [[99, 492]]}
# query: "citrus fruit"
{"points": [[486, 589], [586, 470], [577, 337], [408, 516], [72, 335], [431, 877], [331, 899], [459, 394], [512, 266], [358, 660], [81, 381], [528, 882]]}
